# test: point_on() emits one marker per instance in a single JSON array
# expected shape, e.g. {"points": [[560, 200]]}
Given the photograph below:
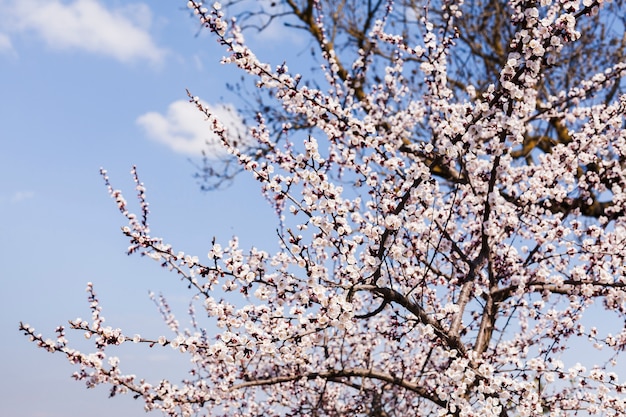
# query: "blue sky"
{"points": [[101, 83]]}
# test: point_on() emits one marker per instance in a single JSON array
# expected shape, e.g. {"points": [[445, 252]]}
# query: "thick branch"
{"points": [[348, 373], [393, 296]]}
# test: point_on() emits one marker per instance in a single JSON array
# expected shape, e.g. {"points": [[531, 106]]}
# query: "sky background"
{"points": [[86, 84], [101, 83]]}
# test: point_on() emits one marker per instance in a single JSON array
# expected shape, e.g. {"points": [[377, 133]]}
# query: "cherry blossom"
{"points": [[434, 258]]}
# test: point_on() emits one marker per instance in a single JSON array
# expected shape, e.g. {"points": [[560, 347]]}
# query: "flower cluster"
{"points": [[437, 256]]}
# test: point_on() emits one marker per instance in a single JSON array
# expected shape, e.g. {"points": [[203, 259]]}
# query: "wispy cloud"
{"points": [[5, 45], [21, 196], [121, 33], [184, 129]]}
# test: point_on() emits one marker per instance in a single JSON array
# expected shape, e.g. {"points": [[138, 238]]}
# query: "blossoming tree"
{"points": [[442, 241]]}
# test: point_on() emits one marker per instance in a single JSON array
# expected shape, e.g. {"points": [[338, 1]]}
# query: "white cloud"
{"points": [[21, 196], [185, 129], [121, 33], [198, 62], [5, 44]]}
